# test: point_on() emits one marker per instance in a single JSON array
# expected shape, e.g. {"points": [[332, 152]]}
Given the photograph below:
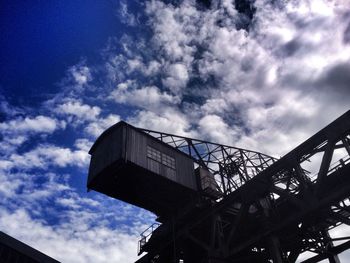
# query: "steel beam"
{"points": [[313, 199]]}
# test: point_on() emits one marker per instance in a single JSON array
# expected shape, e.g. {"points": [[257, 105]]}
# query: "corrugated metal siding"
{"points": [[137, 153], [126, 142], [185, 170], [107, 151], [154, 166], [136, 147]]}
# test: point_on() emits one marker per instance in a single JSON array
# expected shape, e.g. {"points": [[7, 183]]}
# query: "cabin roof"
{"points": [[103, 134], [123, 123]]}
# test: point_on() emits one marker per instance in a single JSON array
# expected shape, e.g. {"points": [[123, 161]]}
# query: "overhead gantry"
{"points": [[218, 203]]}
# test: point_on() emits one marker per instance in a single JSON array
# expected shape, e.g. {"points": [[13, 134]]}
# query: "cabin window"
{"points": [[168, 161], [154, 154], [157, 159]]}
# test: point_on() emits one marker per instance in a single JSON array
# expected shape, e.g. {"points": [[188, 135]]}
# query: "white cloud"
{"points": [[171, 31], [215, 105], [76, 108], [83, 144], [125, 16], [257, 82], [169, 121], [96, 127], [7, 109], [5, 165], [143, 97], [18, 130], [136, 64], [8, 187], [44, 156], [81, 74], [11, 142], [215, 129], [176, 77], [84, 224], [69, 244], [38, 124]]}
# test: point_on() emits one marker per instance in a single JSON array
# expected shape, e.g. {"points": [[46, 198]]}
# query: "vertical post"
{"points": [[273, 244], [293, 255], [346, 145], [175, 259], [326, 161], [213, 232], [332, 258], [275, 250]]}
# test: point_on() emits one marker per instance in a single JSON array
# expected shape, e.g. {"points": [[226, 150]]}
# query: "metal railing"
{"points": [[146, 235]]}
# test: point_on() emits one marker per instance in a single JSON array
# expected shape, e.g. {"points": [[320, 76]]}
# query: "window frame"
{"points": [[160, 157]]}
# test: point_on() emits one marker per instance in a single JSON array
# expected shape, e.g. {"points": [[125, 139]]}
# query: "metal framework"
{"points": [[231, 166], [270, 210]]}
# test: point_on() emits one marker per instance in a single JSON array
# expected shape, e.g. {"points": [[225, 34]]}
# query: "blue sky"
{"points": [[70, 69]]}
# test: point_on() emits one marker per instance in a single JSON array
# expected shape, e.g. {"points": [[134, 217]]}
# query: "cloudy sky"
{"points": [[264, 75]]}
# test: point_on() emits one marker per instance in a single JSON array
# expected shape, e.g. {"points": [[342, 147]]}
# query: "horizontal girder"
{"points": [[284, 209]]}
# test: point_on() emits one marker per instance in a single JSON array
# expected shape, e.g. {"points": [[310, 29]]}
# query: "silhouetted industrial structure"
{"points": [[15, 251], [218, 203]]}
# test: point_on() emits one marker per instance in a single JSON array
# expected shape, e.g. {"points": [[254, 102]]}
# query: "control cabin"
{"points": [[131, 165]]}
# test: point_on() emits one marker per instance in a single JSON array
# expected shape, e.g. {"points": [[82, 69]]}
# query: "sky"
{"points": [[265, 77]]}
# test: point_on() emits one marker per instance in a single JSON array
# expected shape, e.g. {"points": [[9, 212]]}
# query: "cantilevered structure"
{"points": [[218, 203]]}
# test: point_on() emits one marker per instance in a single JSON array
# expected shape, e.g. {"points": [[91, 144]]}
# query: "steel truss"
{"points": [[231, 166], [271, 209]]}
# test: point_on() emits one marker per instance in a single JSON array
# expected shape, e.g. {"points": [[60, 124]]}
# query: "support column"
{"points": [[332, 258], [275, 249], [273, 243]]}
